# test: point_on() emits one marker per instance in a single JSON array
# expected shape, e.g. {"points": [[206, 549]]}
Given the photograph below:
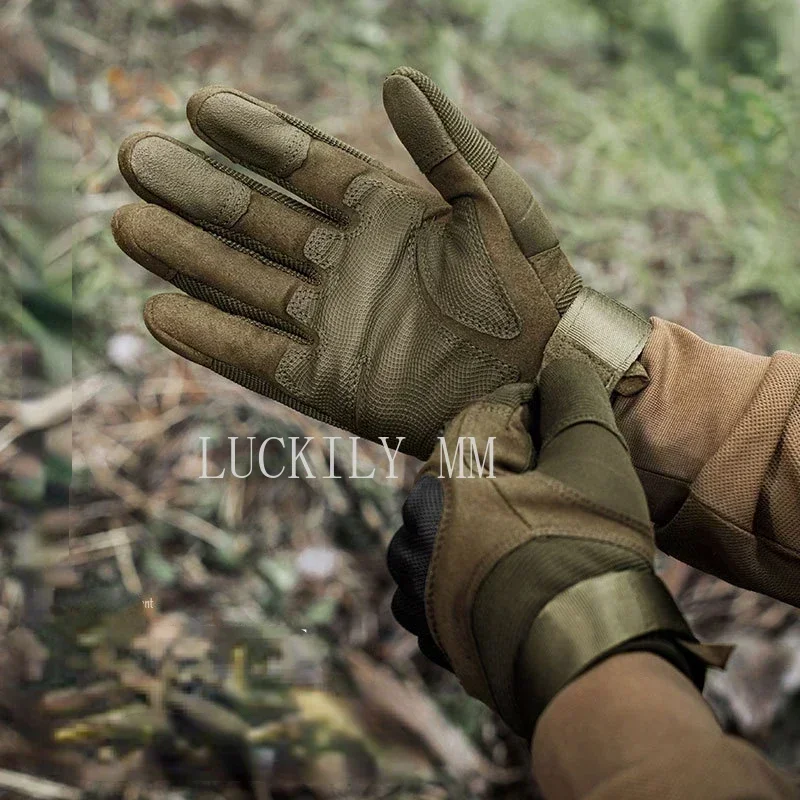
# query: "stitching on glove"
{"points": [[302, 304], [434, 156], [230, 213], [575, 496], [510, 372], [433, 258], [542, 263]]}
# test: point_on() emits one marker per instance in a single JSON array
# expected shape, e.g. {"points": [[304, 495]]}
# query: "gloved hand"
{"points": [[374, 305], [521, 581]]}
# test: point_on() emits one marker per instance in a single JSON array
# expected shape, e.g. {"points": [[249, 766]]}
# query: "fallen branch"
{"points": [[418, 714], [47, 411], [40, 788]]}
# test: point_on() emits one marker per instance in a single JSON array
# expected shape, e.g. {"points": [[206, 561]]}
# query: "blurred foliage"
{"points": [[662, 137], [687, 110]]}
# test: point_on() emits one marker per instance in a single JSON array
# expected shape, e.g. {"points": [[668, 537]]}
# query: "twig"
{"points": [[127, 567], [180, 518], [82, 549], [47, 411], [196, 526], [71, 700], [40, 788], [151, 428], [417, 713]]}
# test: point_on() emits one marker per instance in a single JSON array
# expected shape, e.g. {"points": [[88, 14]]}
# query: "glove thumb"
{"points": [[580, 443], [458, 159]]}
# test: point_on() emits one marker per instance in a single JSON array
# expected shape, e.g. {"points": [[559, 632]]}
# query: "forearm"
{"points": [[715, 438], [634, 726]]}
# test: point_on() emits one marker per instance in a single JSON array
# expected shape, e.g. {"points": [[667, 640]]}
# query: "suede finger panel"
{"points": [[524, 215], [308, 162], [217, 198], [558, 277], [205, 267], [162, 170], [205, 334], [430, 126], [247, 131], [281, 230], [162, 317]]}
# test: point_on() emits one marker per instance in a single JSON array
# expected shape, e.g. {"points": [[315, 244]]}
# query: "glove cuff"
{"points": [[605, 333], [583, 624]]}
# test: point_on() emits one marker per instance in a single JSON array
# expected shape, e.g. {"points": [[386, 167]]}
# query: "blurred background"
{"points": [[662, 138]]}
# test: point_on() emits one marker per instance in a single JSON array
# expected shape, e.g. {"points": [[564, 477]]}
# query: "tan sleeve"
{"points": [[715, 438], [636, 727]]}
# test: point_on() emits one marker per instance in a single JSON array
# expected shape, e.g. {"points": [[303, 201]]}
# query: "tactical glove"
{"points": [[373, 304], [521, 581]]}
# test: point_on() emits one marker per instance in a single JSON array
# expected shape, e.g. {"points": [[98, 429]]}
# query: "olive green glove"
{"points": [[527, 577], [375, 305]]}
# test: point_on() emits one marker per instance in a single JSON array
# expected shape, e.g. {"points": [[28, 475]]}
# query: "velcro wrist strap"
{"points": [[601, 330], [581, 624]]}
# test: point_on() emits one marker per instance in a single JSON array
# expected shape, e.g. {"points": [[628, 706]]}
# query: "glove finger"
{"points": [[580, 443], [409, 612], [235, 347], [205, 267], [458, 159], [249, 215], [270, 142], [423, 510]]}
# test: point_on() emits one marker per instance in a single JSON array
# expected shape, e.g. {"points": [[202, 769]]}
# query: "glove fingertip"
{"points": [[195, 102]]}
